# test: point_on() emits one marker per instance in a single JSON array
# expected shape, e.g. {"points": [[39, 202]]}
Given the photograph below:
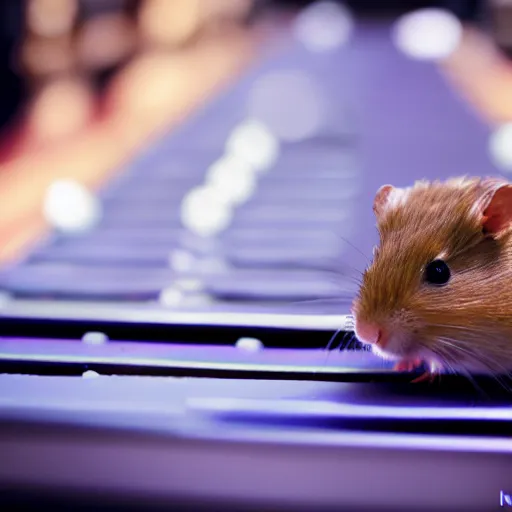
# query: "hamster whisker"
{"points": [[475, 356], [339, 278], [467, 329], [445, 354], [329, 300], [342, 275], [331, 342], [447, 360], [507, 388], [467, 374], [455, 346], [333, 339], [461, 346], [451, 346], [332, 267], [354, 247], [470, 342], [352, 342], [500, 378], [464, 372]]}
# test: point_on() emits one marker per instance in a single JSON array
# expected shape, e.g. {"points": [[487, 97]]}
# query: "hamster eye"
{"points": [[437, 272]]}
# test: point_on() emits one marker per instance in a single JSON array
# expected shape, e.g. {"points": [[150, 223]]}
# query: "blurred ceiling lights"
{"points": [[62, 107], [70, 207], [105, 40], [43, 57], [148, 82], [51, 18], [233, 179], [500, 147], [254, 144], [323, 26], [204, 212], [290, 103], [169, 22], [428, 34], [175, 22]]}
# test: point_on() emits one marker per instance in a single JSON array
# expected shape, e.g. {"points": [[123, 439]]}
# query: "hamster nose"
{"points": [[369, 333]]}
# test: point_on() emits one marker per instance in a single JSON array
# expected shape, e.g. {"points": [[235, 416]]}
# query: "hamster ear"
{"points": [[497, 216], [382, 198]]}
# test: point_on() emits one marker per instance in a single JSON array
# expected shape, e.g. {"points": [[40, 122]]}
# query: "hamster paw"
{"points": [[430, 375], [427, 376], [407, 365]]}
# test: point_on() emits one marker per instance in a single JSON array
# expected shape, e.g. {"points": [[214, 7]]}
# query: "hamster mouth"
{"points": [[394, 347], [384, 354], [391, 355]]}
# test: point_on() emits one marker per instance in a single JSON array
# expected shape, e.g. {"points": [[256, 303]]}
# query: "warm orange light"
{"points": [[42, 56], [105, 40], [224, 9], [51, 18], [482, 75], [61, 108], [148, 83], [169, 22]]}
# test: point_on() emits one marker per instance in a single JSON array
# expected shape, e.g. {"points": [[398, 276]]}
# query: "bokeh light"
{"points": [[323, 26], [41, 56], [105, 40], [190, 285], [169, 22], [90, 374], [70, 207], [204, 213], [61, 108], [249, 344], [146, 84], [95, 338], [224, 10], [182, 261], [428, 34], [232, 179], [253, 143], [51, 18], [171, 297], [290, 103], [500, 147]]}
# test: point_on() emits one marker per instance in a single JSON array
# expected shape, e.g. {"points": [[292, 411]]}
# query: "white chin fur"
{"points": [[384, 355]]}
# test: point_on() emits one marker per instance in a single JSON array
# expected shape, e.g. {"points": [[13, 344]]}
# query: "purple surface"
{"points": [[406, 125]]}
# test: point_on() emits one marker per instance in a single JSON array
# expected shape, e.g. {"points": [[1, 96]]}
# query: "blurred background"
{"points": [[86, 83]]}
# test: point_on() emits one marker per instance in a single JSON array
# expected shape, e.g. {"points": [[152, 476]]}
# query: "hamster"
{"points": [[438, 291]]}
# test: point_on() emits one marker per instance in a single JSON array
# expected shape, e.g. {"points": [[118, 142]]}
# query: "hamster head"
{"points": [[439, 288]]}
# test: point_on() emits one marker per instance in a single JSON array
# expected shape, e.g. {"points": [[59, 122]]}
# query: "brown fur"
{"points": [[466, 324]]}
